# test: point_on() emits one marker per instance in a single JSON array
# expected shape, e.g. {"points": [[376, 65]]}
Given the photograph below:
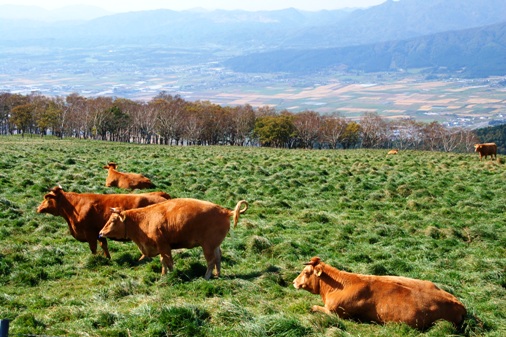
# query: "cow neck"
{"points": [[67, 210], [332, 278], [130, 217]]}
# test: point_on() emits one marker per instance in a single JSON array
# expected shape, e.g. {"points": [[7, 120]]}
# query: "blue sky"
{"points": [[137, 5]]}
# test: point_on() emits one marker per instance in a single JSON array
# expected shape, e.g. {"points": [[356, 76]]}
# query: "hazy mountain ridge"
{"points": [[289, 28], [478, 52], [454, 35]]}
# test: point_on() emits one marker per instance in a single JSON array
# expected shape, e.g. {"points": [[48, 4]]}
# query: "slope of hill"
{"points": [[426, 215], [478, 52]]}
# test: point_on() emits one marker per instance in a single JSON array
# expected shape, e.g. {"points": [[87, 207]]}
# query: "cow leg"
{"points": [[167, 262], [103, 244], [211, 258], [93, 246], [321, 309], [217, 253]]}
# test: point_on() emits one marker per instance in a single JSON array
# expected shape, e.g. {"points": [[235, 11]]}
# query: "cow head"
{"points": [[477, 147], [115, 227], [50, 202], [111, 165], [308, 279]]}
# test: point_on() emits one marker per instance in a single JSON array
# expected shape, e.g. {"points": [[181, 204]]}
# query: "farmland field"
{"points": [[427, 215]]}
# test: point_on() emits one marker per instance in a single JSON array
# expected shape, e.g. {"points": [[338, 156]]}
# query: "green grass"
{"points": [[434, 216]]}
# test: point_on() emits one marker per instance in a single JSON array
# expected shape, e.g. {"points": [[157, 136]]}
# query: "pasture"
{"points": [[426, 215]]}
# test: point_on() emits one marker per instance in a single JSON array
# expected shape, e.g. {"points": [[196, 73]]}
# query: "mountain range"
{"points": [[456, 35]]}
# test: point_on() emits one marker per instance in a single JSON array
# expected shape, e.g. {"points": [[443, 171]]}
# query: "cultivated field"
{"points": [[434, 216]]}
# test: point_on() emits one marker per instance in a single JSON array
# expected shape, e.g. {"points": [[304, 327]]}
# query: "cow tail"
{"points": [[238, 211]]}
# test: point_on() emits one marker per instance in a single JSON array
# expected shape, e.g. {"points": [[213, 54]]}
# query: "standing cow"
{"points": [[486, 149], [174, 224], [125, 180], [87, 213], [379, 299]]}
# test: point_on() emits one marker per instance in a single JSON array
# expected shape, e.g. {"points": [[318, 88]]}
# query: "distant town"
{"points": [[451, 101]]}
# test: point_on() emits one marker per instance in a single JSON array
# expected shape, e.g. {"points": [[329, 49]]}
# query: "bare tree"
{"points": [[194, 124], [143, 119], [458, 140], [406, 134], [374, 131], [243, 122], [308, 124], [266, 111], [170, 117], [99, 118], [214, 123], [332, 129], [77, 122], [432, 136]]}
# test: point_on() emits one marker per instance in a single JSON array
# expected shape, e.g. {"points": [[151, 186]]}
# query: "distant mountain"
{"points": [[466, 36], [243, 31], [478, 52]]}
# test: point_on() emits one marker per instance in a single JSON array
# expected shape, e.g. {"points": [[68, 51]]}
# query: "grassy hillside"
{"points": [[434, 216]]}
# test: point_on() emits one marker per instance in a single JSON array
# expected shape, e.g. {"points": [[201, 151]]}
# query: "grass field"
{"points": [[427, 215]]}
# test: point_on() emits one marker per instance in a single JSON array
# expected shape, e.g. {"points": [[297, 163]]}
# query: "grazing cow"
{"points": [[379, 299], [486, 149], [87, 213], [394, 151], [125, 180], [174, 224]]}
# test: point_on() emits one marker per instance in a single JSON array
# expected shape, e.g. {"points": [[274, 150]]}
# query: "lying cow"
{"points": [[394, 151], [379, 299], [176, 223], [486, 149], [125, 180], [87, 213]]}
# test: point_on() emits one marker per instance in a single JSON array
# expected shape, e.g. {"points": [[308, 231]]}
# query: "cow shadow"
{"points": [[128, 260]]}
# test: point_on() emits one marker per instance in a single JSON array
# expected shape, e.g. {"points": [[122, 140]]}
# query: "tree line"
{"points": [[171, 120]]}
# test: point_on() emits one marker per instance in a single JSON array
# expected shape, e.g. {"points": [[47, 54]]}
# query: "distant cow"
{"points": [[486, 149], [173, 224], [125, 180], [394, 151], [379, 299], [87, 213]]}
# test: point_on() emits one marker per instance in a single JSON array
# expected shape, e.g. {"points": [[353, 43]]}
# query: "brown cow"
{"points": [[87, 213], [125, 180], [486, 149], [394, 151], [174, 224], [379, 299]]}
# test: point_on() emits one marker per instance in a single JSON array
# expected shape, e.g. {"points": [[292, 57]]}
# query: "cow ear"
{"points": [[318, 270], [122, 216]]}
